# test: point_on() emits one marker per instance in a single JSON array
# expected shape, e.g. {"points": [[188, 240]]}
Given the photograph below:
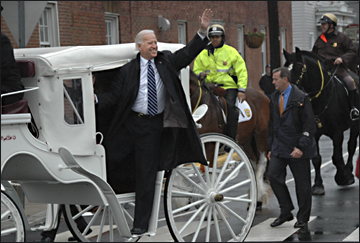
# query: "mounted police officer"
{"points": [[222, 65], [337, 48]]}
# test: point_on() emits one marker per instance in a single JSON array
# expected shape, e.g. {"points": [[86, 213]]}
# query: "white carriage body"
{"points": [[35, 162]]}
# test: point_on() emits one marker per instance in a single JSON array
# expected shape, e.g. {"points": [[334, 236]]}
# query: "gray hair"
{"points": [[139, 37], [284, 72]]}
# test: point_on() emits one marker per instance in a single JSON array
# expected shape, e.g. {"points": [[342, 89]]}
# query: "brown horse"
{"points": [[251, 134]]}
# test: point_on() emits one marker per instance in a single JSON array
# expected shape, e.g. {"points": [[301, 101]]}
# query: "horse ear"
{"points": [[298, 55], [286, 55]]}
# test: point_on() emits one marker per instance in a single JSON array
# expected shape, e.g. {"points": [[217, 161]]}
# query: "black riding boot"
{"points": [[354, 100]]}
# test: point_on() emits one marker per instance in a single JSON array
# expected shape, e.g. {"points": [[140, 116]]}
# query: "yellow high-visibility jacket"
{"points": [[225, 61]]}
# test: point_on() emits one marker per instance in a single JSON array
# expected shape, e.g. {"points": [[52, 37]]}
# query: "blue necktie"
{"points": [[152, 96]]}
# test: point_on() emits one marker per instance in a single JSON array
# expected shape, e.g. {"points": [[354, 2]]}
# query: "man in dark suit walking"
{"points": [[291, 142], [152, 128]]}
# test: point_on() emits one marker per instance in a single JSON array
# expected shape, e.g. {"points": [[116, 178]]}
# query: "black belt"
{"points": [[142, 115]]}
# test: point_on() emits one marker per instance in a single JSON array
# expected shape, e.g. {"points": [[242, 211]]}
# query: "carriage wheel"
{"points": [[211, 204], [12, 223], [101, 225]]}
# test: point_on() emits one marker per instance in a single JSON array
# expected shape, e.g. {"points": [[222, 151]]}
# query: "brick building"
{"points": [[71, 23]]}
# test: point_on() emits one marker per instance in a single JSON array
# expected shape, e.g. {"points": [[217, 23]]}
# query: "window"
{"points": [[263, 51], [49, 26], [241, 40], [73, 101], [283, 44], [182, 31], [112, 28]]}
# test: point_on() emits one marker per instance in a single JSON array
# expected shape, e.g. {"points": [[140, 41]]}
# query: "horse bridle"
{"points": [[303, 71]]}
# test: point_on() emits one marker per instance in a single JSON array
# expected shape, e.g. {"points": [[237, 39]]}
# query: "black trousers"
{"points": [[232, 119], [300, 168], [142, 135]]}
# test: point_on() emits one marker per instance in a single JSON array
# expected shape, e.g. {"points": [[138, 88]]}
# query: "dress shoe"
{"points": [[137, 232], [300, 224], [45, 239], [281, 220]]}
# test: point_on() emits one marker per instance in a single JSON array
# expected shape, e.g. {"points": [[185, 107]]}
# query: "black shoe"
{"points": [[137, 232], [300, 224], [280, 221], [72, 238], [354, 114], [45, 239]]}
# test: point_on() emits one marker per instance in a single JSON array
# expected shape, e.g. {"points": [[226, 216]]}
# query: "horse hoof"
{"points": [[344, 180], [318, 190]]}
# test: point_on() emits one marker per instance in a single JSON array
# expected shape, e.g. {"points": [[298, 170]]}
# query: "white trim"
{"points": [[263, 50]]}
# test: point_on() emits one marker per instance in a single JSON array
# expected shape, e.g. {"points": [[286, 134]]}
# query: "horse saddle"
{"points": [[244, 110]]}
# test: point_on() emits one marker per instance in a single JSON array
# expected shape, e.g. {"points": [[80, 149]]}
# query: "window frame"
{"points": [[182, 38], [113, 20], [263, 51], [51, 9], [241, 40]]}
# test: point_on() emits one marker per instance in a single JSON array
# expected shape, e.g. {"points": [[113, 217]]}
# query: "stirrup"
{"points": [[354, 114]]}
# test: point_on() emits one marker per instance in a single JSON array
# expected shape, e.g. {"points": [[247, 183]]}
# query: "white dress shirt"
{"points": [[141, 102]]}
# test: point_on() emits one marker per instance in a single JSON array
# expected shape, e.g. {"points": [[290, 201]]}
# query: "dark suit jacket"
{"points": [[180, 142]]}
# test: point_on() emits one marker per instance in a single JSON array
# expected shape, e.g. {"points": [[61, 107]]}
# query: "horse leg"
{"points": [[318, 187], [342, 176], [352, 143], [263, 186]]}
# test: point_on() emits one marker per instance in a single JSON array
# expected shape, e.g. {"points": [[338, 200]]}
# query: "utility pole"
{"points": [[274, 34]]}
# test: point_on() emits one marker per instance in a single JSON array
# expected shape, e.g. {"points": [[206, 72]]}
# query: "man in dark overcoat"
{"points": [[290, 143], [151, 132]]}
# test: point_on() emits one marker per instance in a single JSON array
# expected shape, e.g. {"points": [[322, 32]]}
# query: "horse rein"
{"points": [[303, 71]]}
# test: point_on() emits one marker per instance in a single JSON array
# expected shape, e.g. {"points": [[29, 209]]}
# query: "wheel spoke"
{"points": [[190, 180], [5, 214], [245, 182], [216, 154], [229, 177], [224, 167], [192, 218], [196, 234], [208, 228], [225, 221], [217, 228], [198, 173], [187, 194], [232, 212], [188, 206], [245, 200]]}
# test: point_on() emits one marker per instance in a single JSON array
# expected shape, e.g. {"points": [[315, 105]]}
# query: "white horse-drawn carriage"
{"points": [[63, 163]]}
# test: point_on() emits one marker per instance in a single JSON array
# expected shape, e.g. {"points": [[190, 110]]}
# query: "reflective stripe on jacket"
{"points": [[220, 66]]}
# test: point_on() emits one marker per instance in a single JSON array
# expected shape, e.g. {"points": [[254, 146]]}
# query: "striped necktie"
{"points": [[281, 103], [152, 96]]}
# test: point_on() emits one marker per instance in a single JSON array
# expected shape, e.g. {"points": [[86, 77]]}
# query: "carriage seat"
{"points": [[26, 68]]}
